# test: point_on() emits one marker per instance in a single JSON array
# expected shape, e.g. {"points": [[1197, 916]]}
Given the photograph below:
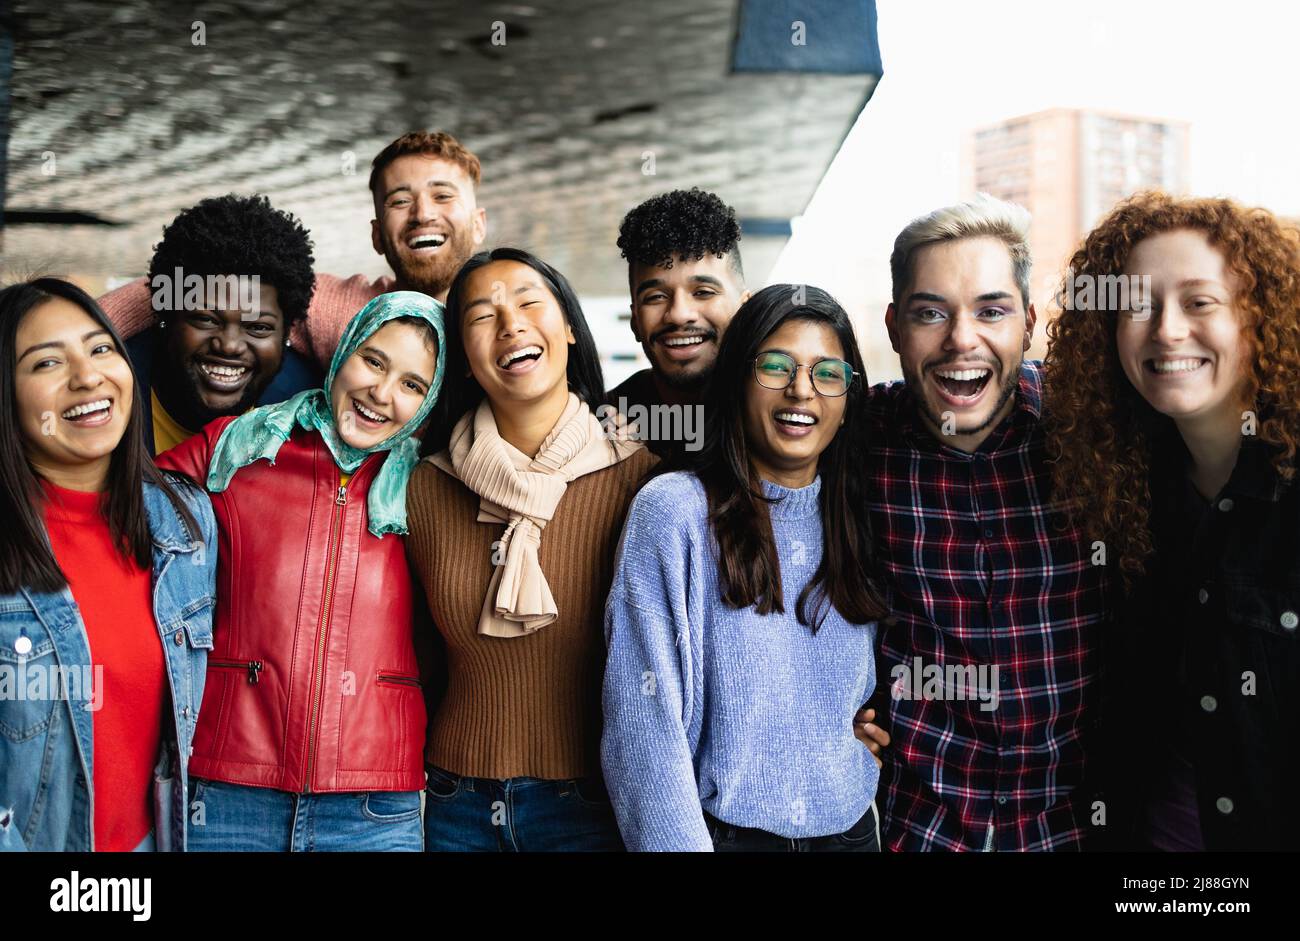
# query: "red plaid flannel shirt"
{"points": [[979, 572]]}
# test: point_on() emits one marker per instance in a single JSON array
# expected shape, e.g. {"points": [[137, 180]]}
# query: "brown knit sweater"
{"points": [[519, 706]]}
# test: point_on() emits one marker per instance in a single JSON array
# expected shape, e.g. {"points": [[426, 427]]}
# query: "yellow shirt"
{"points": [[166, 432]]}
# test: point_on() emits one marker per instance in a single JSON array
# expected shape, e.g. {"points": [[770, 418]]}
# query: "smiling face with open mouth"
{"points": [[515, 335], [220, 360], [1182, 349], [961, 329], [427, 222], [380, 387], [786, 430], [73, 389], [679, 315]]}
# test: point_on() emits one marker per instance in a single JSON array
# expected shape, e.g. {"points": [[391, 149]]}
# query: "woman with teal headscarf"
{"points": [[311, 731]]}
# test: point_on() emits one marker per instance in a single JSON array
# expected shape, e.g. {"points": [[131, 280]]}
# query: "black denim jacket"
{"points": [[1206, 654]]}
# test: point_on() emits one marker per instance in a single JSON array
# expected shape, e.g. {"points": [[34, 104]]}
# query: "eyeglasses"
{"points": [[830, 377]]}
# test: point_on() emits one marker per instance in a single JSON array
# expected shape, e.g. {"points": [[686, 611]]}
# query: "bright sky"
{"points": [[1227, 68]]}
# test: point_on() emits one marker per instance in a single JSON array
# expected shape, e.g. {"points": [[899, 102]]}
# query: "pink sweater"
{"points": [[335, 301]]}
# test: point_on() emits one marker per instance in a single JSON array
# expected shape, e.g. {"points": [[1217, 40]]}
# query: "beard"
{"points": [[670, 374], [683, 378], [431, 275], [1008, 389]]}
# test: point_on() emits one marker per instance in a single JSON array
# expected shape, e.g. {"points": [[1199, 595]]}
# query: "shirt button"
{"points": [[1289, 620], [180, 638], [988, 534], [1209, 703], [1202, 596], [1225, 505], [1224, 805], [23, 645], [1002, 800]]}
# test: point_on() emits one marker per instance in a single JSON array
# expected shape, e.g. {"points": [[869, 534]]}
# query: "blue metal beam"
{"points": [[831, 36]]}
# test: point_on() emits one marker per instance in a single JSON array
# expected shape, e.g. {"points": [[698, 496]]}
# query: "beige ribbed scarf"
{"points": [[523, 493]]}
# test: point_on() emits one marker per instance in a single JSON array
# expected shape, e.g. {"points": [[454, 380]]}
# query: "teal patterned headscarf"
{"points": [[259, 433]]}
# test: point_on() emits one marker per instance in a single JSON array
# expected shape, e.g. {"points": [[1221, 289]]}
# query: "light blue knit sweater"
{"points": [[747, 716]]}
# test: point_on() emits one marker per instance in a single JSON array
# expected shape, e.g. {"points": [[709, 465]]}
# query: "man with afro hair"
{"points": [[686, 283], [209, 351]]}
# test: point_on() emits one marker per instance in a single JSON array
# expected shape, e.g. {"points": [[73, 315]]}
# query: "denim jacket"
{"points": [[46, 754]]}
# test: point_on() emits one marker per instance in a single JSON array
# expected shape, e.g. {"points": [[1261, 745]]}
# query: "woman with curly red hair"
{"points": [[1174, 412]]}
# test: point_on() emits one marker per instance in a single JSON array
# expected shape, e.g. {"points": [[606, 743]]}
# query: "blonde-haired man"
{"points": [[961, 319], [990, 652]]}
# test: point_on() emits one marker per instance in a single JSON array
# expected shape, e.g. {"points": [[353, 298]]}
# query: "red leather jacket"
{"points": [[312, 683]]}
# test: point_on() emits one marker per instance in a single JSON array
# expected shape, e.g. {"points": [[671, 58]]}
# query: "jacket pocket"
{"points": [[1268, 609], [200, 635], [397, 679], [1262, 655], [196, 621], [382, 726], [251, 669], [31, 682]]}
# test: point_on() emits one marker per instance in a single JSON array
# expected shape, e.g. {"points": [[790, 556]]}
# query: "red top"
{"points": [[115, 598]]}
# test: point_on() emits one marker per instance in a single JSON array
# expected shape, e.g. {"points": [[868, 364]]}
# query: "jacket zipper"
{"points": [[398, 680], [331, 571], [254, 667]]}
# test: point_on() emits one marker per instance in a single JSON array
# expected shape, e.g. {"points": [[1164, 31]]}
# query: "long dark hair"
{"points": [[461, 391], [26, 559], [747, 562]]}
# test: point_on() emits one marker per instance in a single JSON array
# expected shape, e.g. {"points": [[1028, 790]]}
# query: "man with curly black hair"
{"points": [[686, 282], [229, 279]]}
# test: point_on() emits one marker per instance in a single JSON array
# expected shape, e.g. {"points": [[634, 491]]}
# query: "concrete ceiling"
{"points": [[116, 113]]}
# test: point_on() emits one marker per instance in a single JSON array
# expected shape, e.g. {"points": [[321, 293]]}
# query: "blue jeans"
{"points": [[517, 815], [233, 817]]}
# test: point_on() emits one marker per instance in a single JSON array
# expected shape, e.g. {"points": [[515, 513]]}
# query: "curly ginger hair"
{"points": [[1100, 431]]}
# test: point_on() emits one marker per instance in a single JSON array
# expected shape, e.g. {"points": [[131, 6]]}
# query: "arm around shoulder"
{"points": [[130, 307]]}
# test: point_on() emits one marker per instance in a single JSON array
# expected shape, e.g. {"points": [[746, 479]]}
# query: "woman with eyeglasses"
{"points": [[741, 620]]}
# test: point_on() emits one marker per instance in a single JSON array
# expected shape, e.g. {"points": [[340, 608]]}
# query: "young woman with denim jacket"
{"points": [[313, 718], [1176, 418], [107, 576]]}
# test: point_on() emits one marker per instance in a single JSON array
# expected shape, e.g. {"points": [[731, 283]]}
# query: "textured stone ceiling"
{"points": [[294, 99]]}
